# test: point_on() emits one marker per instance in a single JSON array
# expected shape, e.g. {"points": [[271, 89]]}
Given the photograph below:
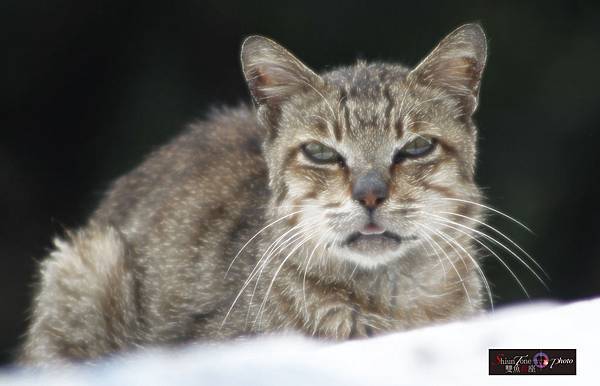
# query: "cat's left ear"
{"points": [[273, 73], [456, 65]]}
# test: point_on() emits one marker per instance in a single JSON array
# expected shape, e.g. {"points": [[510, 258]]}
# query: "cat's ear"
{"points": [[273, 74], [456, 65]]}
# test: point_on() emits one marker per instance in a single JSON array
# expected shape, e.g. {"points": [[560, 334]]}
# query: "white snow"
{"points": [[450, 354]]}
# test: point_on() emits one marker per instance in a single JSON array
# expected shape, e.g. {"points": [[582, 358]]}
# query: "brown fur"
{"points": [[154, 265]]}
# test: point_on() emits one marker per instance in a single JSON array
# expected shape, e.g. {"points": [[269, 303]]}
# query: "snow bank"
{"points": [[451, 354]]}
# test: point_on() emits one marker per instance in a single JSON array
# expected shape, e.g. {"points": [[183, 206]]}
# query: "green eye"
{"points": [[418, 147], [319, 153]]}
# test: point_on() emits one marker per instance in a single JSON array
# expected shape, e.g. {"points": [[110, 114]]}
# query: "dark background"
{"points": [[88, 87]]}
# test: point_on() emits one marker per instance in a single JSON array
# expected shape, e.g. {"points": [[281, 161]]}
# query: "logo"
{"points": [[532, 362], [541, 360]]}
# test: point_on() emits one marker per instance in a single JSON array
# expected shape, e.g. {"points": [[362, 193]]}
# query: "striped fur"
{"points": [[230, 230]]}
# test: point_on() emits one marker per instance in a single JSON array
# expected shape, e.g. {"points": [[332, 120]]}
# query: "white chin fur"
{"points": [[370, 261]]}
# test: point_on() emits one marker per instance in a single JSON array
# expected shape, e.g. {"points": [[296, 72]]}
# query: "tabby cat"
{"points": [[342, 205]]}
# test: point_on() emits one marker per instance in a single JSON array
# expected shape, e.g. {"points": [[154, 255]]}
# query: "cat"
{"points": [[340, 205]]}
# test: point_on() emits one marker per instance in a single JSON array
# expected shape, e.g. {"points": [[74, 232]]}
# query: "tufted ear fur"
{"points": [[273, 74], [456, 65]]}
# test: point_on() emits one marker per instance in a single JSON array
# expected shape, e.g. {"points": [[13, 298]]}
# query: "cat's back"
{"points": [[184, 213], [211, 165], [149, 267]]}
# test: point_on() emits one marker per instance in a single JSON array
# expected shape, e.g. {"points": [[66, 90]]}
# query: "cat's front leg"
{"points": [[333, 321], [341, 321], [329, 313]]}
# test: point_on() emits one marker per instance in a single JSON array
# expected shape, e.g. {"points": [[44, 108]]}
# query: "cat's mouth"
{"points": [[373, 239]]}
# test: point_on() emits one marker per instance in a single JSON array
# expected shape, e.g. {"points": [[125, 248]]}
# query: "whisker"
{"points": [[427, 238], [489, 208], [439, 96], [275, 248], [259, 269], [493, 253], [322, 96], [254, 271], [451, 263], [298, 245], [269, 253], [353, 272], [406, 90], [492, 239], [256, 235], [477, 266], [325, 247], [327, 124], [504, 236], [305, 272]]}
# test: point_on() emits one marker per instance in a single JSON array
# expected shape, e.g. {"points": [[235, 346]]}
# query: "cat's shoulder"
{"points": [[226, 128], [221, 149], [225, 133]]}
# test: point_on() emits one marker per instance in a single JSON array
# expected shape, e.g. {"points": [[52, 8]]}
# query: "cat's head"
{"points": [[364, 157]]}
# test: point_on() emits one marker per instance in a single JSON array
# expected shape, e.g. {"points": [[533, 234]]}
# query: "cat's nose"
{"points": [[370, 190]]}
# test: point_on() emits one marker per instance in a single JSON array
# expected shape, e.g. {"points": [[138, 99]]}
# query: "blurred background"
{"points": [[88, 88]]}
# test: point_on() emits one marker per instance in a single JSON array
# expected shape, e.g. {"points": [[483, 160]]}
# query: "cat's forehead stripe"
{"points": [[345, 116], [369, 99], [389, 108]]}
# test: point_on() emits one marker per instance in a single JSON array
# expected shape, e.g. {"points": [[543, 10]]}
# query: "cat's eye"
{"points": [[319, 153], [418, 147]]}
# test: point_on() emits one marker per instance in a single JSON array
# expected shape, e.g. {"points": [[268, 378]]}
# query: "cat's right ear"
{"points": [[456, 65], [273, 74]]}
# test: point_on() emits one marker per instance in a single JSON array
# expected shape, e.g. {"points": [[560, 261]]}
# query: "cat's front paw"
{"points": [[335, 322]]}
